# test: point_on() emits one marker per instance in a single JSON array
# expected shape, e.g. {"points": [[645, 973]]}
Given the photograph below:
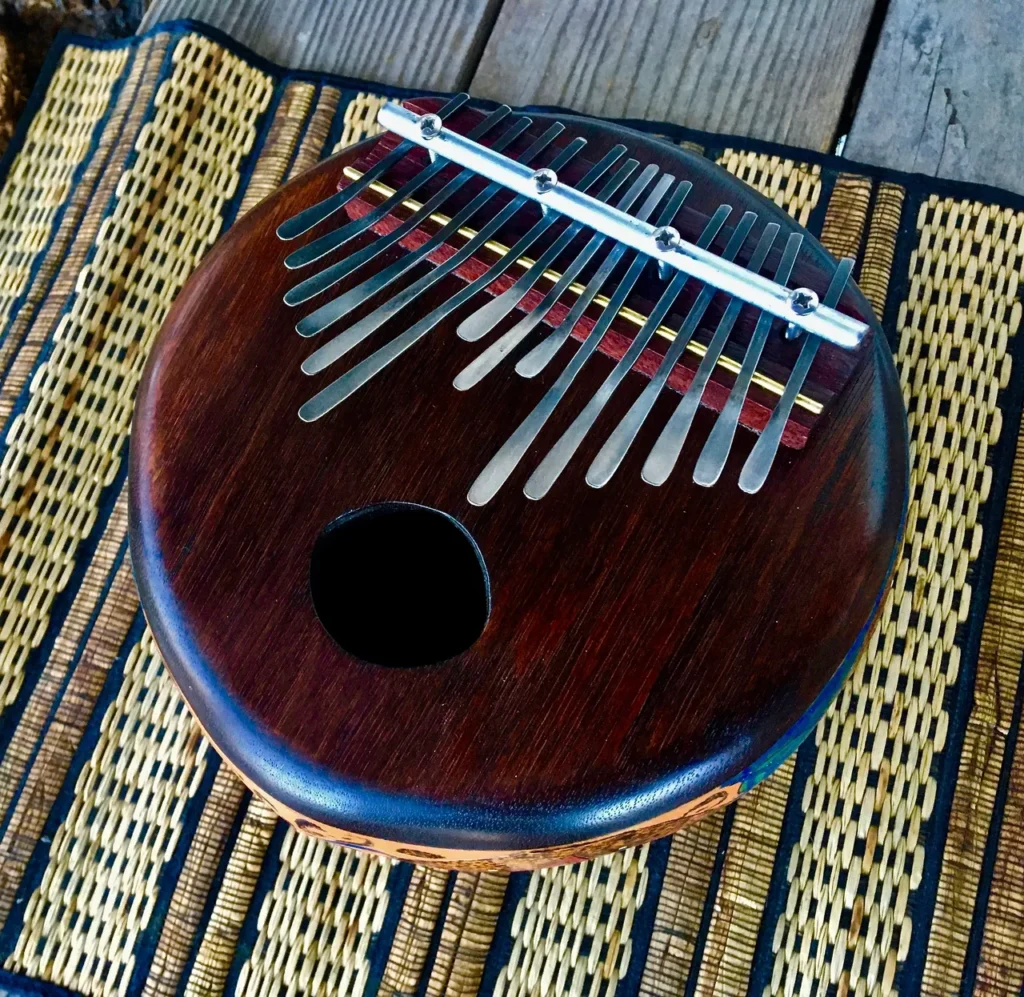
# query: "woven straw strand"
{"points": [[279, 148], [40, 178], [681, 907], [67, 445], [234, 896], [316, 924], [467, 934], [794, 187], [312, 146], [974, 807], [571, 932], [360, 119], [414, 932]]}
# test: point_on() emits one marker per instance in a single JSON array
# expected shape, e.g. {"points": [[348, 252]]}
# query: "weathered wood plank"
{"points": [[433, 45], [773, 69], [945, 92]]}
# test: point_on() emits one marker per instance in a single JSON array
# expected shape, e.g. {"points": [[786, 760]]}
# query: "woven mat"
{"points": [[886, 856]]}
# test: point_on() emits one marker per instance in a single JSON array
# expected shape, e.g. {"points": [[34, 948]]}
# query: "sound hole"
{"points": [[400, 585]]}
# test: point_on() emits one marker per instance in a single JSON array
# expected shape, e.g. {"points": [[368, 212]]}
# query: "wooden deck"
{"points": [[932, 86]]}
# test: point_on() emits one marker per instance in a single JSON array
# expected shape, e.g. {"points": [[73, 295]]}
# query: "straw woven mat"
{"points": [[887, 856]]}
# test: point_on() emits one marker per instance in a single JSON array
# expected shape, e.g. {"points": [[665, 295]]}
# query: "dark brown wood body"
{"points": [[645, 645]]}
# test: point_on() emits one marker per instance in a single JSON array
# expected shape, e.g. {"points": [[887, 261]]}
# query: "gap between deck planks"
{"points": [[771, 69]]}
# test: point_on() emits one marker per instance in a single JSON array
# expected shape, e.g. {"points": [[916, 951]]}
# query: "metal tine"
{"points": [[344, 341], [340, 306], [614, 450], [500, 348], [318, 248], [330, 276], [712, 458], [760, 460], [470, 290], [539, 357], [293, 227], [561, 453], [504, 462], [546, 221], [317, 321], [665, 452], [485, 318], [458, 299]]}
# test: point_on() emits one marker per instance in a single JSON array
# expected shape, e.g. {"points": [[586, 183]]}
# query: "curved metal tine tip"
{"points": [[330, 275], [716, 450], [760, 459], [356, 333], [340, 306], [504, 462], [665, 453], [336, 238], [500, 348], [488, 315], [539, 357], [547, 472], [302, 222], [618, 443]]}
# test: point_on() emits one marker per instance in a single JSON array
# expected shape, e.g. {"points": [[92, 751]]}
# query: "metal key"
{"points": [[319, 248], [500, 348], [712, 458], [330, 276], [539, 357], [355, 334], [482, 321], [612, 453], [293, 227], [337, 307], [665, 452], [760, 460], [561, 453], [541, 226]]}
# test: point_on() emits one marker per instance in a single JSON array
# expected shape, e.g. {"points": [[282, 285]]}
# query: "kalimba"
{"points": [[508, 489]]}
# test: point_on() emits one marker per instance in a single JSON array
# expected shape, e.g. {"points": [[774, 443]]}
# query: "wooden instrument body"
{"points": [[648, 654]]}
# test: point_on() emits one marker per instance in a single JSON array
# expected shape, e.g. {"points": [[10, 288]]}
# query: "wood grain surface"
{"points": [[409, 43], [945, 93], [644, 644], [771, 69]]}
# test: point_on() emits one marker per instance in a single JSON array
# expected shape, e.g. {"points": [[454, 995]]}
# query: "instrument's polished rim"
{"points": [[297, 787]]}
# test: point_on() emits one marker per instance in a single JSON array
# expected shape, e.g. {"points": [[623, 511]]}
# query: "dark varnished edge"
{"points": [[295, 785]]}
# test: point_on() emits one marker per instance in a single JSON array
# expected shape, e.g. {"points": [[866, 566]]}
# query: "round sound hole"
{"points": [[400, 585]]}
